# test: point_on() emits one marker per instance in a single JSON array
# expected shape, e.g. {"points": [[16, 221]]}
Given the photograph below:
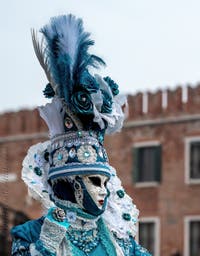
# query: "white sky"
{"points": [[147, 45]]}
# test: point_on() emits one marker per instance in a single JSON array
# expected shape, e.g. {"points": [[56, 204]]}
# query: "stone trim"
{"points": [[156, 221], [164, 120], [188, 141], [187, 220]]}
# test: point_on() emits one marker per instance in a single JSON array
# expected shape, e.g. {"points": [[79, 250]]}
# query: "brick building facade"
{"points": [[157, 156]]}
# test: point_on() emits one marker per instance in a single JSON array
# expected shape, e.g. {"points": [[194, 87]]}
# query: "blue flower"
{"points": [[113, 85], [126, 216], [88, 82], [71, 216], [48, 91], [107, 103], [120, 193], [81, 102], [38, 171]]}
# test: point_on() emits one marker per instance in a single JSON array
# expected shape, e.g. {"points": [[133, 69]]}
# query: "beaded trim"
{"points": [[74, 138], [86, 241]]}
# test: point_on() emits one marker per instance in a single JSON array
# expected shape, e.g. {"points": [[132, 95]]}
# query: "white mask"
{"points": [[96, 187]]}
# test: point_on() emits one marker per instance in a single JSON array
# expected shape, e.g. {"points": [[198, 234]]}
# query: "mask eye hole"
{"points": [[105, 183], [95, 181]]}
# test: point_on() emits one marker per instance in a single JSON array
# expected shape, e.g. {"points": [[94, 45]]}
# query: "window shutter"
{"points": [[135, 165], [158, 163]]}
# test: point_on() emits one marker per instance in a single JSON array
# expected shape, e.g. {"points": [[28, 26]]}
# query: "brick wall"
{"points": [[18, 131], [168, 122]]}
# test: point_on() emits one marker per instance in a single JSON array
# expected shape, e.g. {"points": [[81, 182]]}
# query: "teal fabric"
{"points": [[25, 234], [29, 231]]}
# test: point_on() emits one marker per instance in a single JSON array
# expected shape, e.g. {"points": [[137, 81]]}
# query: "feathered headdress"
{"points": [[64, 55], [84, 106]]}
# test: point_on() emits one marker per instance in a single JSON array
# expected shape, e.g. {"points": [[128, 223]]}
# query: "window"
{"points": [[147, 163], [192, 160], [192, 236], [149, 235]]}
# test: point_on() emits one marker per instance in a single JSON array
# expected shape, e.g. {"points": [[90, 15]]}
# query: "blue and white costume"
{"points": [[87, 209]]}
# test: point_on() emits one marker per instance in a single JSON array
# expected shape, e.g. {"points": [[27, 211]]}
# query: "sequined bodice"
{"points": [[85, 240]]}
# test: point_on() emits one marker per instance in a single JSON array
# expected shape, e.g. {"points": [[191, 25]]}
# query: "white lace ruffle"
{"points": [[38, 187], [117, 207]]}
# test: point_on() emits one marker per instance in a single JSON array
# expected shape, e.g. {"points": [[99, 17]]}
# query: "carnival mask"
{"points": [[91, 192], [96, 187]]}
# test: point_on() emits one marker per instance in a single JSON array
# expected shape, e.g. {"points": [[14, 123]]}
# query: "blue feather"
{"points": [[66, 50]]}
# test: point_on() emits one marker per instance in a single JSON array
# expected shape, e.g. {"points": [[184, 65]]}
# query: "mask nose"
{"points": [[103, 191]]}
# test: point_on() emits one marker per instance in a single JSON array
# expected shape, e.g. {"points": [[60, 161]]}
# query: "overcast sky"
{"points": [[147, 45]]}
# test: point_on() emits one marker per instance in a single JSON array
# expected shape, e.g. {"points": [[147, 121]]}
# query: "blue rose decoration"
{"points": [[126, 216], [107, 103], [82, 103], [49, 91], [113, 86], [120, 193], [88, 82]]}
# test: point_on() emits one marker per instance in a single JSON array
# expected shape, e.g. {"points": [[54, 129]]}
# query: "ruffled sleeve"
{"points": [[24, 235]]}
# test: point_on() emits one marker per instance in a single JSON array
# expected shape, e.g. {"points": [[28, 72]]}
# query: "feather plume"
{"points": [[66, 52], [40, 53]]}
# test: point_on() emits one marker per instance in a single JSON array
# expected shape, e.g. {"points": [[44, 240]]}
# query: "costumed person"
{"points": [[87, 209]]}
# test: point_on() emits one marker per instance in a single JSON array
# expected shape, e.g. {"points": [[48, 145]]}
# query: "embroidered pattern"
{"points": [[86, 241], [60, 157], [86, 154], [19, 247]]}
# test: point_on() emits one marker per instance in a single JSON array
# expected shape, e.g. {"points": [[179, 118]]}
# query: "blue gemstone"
{"points": [[60, 156], [38, 171], [126, 216], [79, 134], [86, 154]]}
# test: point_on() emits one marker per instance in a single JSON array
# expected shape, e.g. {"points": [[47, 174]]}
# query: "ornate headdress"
{"points": [[83, 109]]}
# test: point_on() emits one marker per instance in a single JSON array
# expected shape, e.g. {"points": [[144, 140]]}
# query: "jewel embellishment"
{"points": [[100, 153], [71, 216], [59, 214], [120, 193], [86, 154], [38, 171], [86, 241], [39, 159], [68, 123], [79, 134], [72, 152], [60, 157], [126, 216]]}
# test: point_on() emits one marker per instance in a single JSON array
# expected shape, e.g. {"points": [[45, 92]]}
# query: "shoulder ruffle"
{"points": [[29, 231]]}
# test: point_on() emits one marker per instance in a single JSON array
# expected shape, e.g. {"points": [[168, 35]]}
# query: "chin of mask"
{"points": [[94, 193]]}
